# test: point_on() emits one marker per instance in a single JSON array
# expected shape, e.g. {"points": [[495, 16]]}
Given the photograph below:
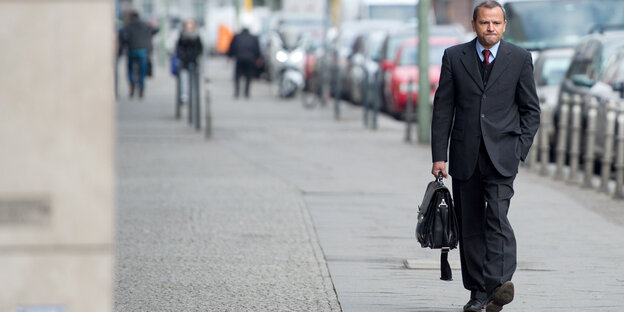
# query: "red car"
{"points": [[405, 68]]}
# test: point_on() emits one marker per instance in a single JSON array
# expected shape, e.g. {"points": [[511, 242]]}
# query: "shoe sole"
{"points": [[473, 310], [504, 295]]}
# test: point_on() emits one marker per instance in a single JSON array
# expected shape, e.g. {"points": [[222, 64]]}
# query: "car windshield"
{"points": [[374, 46], [409, 56], [404, 12], [551, 24], [554, 70], [395, 42], [614, 72]]}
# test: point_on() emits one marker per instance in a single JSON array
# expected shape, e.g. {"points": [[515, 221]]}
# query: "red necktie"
{"points": [[486, 57]]}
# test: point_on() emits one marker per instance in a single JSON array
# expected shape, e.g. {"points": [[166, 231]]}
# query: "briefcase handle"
{"points": [[440, 177]]}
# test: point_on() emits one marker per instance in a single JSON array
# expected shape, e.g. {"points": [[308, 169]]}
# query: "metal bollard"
{"points": [[364, 97], [607, 156], [544, 144], [178, 99], [562, 138], [190, 94], [534, 150], [116, 72], [409, 112], [208, 113], [575, 132], [337, 86], [619, 162], [376, 97], [590, 143], [196, 94], [337, 93], [324, 77]]}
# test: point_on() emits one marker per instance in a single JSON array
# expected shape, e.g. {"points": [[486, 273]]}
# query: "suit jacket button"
{"points": [[482, 115], [484, 96]]}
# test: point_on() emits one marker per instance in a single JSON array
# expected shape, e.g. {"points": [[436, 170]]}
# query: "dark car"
{"points": [[364, 63], [587, 66], [589, 61], [550, 70], [609, 89], [345, 43], [548, 24]]}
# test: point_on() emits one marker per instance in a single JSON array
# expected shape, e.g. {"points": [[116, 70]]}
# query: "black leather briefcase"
{"points": [[437, 223]]}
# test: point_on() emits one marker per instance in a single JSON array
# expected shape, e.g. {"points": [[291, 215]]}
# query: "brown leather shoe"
{"points": [[502, 296]]}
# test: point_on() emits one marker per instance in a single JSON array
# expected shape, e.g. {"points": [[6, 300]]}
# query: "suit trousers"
{"points": [[487, 245]]}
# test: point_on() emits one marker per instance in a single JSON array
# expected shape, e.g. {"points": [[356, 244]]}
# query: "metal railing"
{"points": [[576, 144]]}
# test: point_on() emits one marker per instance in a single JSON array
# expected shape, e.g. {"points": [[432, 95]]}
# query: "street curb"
{"points": [[319, 254]]}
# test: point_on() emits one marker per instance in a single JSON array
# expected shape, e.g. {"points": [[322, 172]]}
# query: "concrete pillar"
{"points": [[56, 155]]}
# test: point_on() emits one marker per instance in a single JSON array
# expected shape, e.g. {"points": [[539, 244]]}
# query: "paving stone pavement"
{"points": [[286, 209]]}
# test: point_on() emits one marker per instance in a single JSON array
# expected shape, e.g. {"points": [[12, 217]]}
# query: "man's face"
{"points": [[489, 26]]}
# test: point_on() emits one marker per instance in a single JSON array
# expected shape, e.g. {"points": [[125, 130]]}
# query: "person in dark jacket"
{"points": [[246, 49], [189, 46], [136, 40]]}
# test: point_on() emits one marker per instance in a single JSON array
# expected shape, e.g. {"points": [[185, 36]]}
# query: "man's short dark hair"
{"points": [[490, 4]]}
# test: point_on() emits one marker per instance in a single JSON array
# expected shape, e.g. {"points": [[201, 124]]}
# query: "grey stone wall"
{"points": [[56, 154]]}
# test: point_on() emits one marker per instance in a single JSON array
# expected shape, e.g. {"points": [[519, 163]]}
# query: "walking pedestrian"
{"points": [[246, 49], [487, 104], [189, 46], [136, 40], [188, 50]]}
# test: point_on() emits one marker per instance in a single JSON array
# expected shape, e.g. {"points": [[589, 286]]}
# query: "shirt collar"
{"points": [[493, 50]]}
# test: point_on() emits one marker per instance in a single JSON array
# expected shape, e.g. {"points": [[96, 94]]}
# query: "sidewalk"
{"points": [[286, 209]]}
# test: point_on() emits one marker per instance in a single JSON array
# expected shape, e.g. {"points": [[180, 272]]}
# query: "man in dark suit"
{"points": [[487, 104]]}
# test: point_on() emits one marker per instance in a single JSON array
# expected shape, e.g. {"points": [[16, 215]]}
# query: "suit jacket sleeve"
{"points": [[443, 111], [528, 107]]}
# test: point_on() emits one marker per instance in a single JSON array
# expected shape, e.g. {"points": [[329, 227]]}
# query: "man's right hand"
{"points": [[439, 166]]}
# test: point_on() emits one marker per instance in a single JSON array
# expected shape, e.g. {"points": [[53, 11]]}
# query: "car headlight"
{"points": [[296, 57], [404, 87], [281, 56]]}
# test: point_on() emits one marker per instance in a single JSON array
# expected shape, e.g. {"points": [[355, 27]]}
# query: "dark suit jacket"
{"points": [[505, 113]]}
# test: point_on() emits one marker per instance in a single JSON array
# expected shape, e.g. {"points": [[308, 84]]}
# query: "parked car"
{"points": [[391, 44], [537, 25], [345, 42], [404, 69], [550, 70], [396, 37], [587, 65], [364, 62], [609, 87]]}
